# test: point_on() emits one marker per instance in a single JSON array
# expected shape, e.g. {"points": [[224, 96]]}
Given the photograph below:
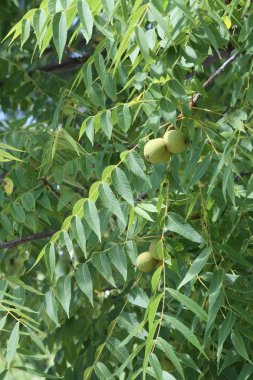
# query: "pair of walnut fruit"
{"points": [[159, 150], [149, 260]]}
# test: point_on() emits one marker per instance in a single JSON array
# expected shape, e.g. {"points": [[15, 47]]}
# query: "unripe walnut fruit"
{"points": [[155, 151], [145, 262], [175, 141]]}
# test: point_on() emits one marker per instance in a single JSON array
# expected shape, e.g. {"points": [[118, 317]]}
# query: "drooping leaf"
{"points": [[117, 257], [102, 264], [185, 331], [189, 303], [177, 224], [12, 344], [197, 265], [63, 288], [60, 33], [110, 201], [122, 185], [92, 217], [84, 281], [86, 18], [239, 345], [51, 306]]}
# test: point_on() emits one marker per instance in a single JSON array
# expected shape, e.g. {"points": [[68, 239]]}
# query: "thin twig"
{"points": [[38, 236], [210, 80]]}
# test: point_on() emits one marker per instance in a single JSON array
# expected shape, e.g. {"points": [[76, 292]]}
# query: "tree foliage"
{"points": [[84, 84]]}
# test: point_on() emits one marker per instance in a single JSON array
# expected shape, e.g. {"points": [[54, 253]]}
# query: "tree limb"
{"points": [[25, 239]]}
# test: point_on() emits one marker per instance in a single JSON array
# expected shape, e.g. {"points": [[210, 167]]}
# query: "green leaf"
{"points": [[216, 288], [63, 288], [142, 42], [91, 217], [189, 303], [39, 24], [108, 6], [161, 21], [18, 282], [18, 212], [228, 184], [250, 186], [177, 224], [124, 119], [5, 221], [168, 110], [224, 330], [121, 353], [37, 373], [60, 33], [110, 87], [102, 371], [106, 123], [35, 338], [136, 165], [199, 171], [90, 129], [2, 322], [3, 374], [79, 233], [209, 33], [85, 15], [28, 201], [156, 366], [50, 260], [110, 201], [54, 6], [170, 353], [153, 306], [122, 185], [25, 33], [51, 306], [156, 277], [138, 297], [178, 91], [12, 344], [64, 200], [84, 281], [102, 264], [69, 244], [239, 345], [185, 331], [246, 372], [143, 213], [197, 265], [117, 257]]}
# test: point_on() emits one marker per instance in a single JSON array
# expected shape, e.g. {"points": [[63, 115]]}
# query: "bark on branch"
{"points": [[25, 239]]}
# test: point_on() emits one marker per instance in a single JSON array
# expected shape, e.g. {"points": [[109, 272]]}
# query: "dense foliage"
{"points": [[84, 84]]}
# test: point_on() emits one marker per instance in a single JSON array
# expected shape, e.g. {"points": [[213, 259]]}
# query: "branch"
{"points": [[209, 81], [46, 183], [70, 64], [25, 239]]}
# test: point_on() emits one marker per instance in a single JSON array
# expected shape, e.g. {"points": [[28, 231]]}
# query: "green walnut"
{"points": [[145, 262], [155, 151], [154, 251], [175, 141]]}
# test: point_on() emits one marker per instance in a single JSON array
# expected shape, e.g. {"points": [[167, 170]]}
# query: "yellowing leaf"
{"points": [[227, 21], [8, 185]]}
